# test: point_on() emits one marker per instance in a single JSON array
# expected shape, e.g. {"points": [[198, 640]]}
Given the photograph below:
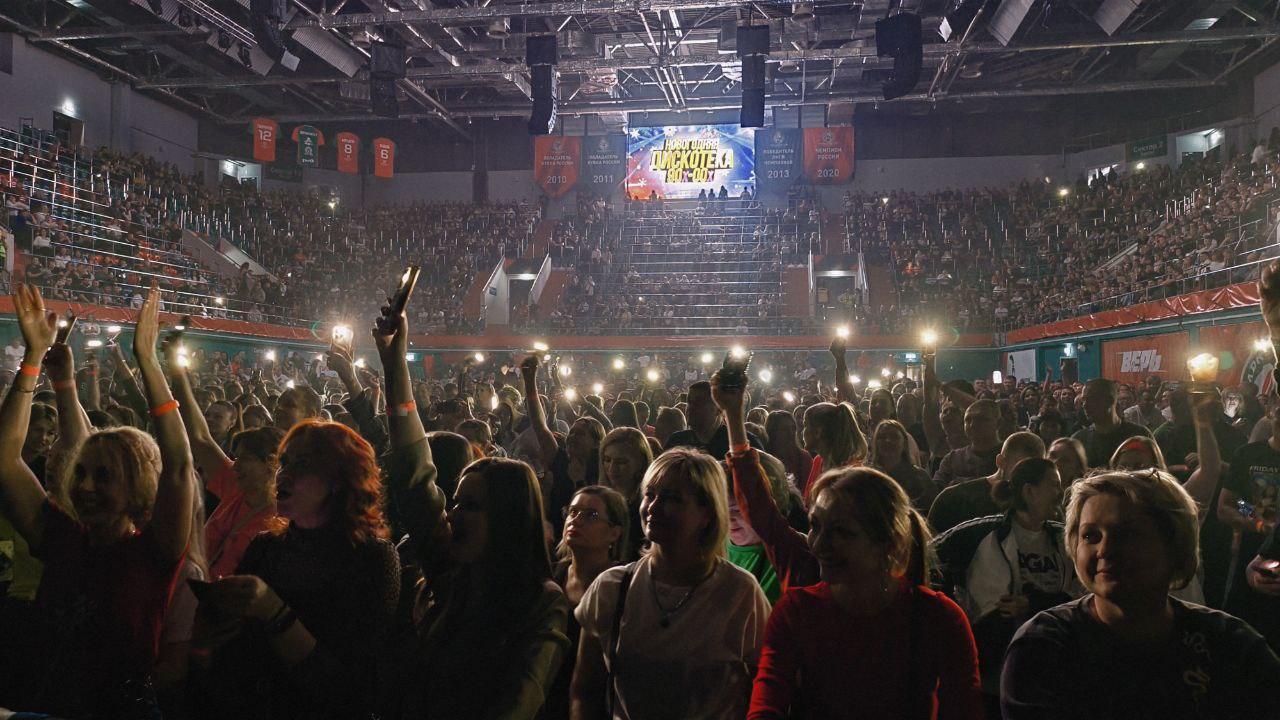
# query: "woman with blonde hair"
{"points": [[832, 435], [111, 558], [1129, 648], [676, 633], [625, 455]]}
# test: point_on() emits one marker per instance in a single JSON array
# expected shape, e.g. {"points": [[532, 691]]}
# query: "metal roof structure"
{"points": [[465, 58]]}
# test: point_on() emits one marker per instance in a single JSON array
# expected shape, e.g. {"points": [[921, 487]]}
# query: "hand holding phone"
{"points": [[65, 327], [390, 318], [733, 372]]}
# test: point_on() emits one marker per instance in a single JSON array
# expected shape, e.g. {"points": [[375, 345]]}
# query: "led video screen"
{"points": [[682, 160]]}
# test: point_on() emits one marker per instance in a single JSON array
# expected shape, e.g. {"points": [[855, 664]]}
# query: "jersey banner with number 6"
{"points": [[555, 163]]}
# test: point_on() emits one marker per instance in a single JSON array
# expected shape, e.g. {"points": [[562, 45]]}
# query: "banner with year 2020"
{"points": [[828, 155], [604, 163], [777, 158], [556, 159]]}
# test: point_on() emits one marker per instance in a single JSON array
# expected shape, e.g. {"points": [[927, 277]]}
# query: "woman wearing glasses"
{"points": [[594, 540]]}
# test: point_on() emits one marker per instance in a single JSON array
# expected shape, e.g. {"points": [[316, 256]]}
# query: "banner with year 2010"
{"points": [[555, 163], [777, 158], [604, 163], [828, 155]]}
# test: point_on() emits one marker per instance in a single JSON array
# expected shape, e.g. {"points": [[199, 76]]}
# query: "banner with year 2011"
{"points": [[555, 163], [777, 158], [828, 155], [604, 163]]}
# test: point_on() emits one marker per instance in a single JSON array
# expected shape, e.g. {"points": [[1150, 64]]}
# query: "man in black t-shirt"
{"points": [[706, 430], [1248, 503], [1108, 430]]}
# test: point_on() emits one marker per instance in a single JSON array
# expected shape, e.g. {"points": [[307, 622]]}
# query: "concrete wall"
{"points": [[114, 114]]}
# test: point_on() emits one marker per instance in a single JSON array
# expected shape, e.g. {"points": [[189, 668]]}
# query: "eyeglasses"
{"points": [[573, 513]]}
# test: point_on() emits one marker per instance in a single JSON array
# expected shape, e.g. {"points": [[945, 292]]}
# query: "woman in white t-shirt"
{"points": [[677, 633]]}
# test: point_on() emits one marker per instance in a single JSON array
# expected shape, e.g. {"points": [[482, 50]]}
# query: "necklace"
{"points": [[665, 621]]}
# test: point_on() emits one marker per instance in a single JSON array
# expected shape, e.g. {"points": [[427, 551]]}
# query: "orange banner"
{"points": [[1240, 295], [265, 131], [384, 158], [348, 152], [828, 155], [1238, 360], [555, 163], [1134, 359]]}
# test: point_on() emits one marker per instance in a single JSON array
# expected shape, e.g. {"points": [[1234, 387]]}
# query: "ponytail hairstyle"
{"points": [[884, 511], [841, 439], [1008, 492]]}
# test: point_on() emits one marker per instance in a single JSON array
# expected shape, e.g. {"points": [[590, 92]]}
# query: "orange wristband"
{"points": [[164, 408], [403, 409], [738, 449], [63, 384], [29, 370]]}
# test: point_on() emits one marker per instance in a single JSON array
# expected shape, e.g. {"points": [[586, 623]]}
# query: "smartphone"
{"points": [[390, 319], [1271, 569], [199, 588], [342, 337], [65, 327], [175, 334], [733, 372]]}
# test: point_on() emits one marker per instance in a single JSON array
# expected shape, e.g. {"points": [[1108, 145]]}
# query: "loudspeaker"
{"points": [[546, 92], [753, 40], [1069, 370], [540, 50], [382, 98], [900, 36], [386, 61], [753, 72], [265, 17]]}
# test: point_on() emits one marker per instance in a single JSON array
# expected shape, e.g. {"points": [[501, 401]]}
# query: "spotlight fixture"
{"points": [[224, 41], [245, 57]]}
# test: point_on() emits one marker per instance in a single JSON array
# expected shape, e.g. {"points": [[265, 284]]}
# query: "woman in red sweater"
{"points": [[869, 640]]}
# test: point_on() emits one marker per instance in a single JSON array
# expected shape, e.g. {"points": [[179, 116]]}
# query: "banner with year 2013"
{"points": [[604, 163], [555, 163], [828, 155], [777, 158]]}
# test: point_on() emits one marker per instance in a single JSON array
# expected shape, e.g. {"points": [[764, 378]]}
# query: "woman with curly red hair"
{"points": [[296, 632]]}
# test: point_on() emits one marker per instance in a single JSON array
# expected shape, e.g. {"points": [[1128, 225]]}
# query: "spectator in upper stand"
{"points": [[1145, 412], [706, 430], [978, 458], [974, 498], [1107, 430]]}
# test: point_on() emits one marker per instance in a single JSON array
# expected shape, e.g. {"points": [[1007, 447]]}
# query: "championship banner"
{"points": [[309, 140], [828, 155], [1238, 360], [265, 131], [1134, 359], [777, 158], [348, 145], [604, 163], [384, 157], [555, 163]]}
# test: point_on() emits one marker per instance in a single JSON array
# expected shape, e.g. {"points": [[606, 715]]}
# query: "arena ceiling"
{"points": [[466, 57]]}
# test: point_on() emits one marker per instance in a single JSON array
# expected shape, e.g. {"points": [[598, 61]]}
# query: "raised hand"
{"points": [[394, 344], [147, 330], [529, 367], [59, 364], [39, 326], [729, 400], [838, 346]]}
